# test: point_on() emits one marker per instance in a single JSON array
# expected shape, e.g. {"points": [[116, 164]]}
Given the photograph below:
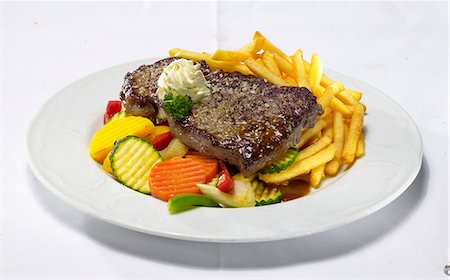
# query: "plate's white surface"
{"points": [[58, 141]]}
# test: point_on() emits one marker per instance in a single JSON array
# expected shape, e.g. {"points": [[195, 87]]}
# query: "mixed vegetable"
{"points": [[147, 158]]}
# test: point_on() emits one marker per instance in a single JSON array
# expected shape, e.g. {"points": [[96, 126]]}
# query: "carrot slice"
{"points": [[176, 176], [211, 165]]}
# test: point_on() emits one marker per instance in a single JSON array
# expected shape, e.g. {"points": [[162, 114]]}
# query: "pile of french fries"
{"points": [[335, 141]]}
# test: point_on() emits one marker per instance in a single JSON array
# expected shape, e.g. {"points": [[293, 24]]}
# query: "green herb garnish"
{"points": [[178, 107]]}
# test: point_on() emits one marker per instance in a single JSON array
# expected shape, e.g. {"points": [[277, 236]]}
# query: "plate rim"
{"points": [[90, 211]]}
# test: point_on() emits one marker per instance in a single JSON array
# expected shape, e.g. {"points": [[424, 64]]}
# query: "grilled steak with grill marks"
{"points": [[245, 121]]}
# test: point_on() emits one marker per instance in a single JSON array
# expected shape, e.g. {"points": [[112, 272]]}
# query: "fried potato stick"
{"points": [[329, 93], [265, 73], [267, 45], [299, 69], [253, 47], [360, 149], [315, 72], [311, 132], [314, 148], [300, 167], [354, 133], [227, 55], [285, 66], [317, 174], [270, 63]]}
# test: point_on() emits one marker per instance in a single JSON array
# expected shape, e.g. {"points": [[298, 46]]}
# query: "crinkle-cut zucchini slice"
{"points": [[132, 159], [265, 195], [119, 115], [282, 163]]}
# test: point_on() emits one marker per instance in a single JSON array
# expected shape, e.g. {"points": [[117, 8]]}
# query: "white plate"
{"points": [[58, 141]]}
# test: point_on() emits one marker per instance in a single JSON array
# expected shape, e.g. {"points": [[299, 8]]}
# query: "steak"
{"points": [[245, 121]]}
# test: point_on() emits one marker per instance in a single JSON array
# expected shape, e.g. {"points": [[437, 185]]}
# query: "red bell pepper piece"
{"points": [[113, 107], [162, 141], [106, 118], [226, 182]]}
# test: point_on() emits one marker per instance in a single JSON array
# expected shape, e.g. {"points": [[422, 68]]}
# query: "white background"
{"points": [[400, 48]]}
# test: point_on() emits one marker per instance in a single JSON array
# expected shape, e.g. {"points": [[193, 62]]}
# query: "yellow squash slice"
{"points": [[107, 164], [103, 140]]}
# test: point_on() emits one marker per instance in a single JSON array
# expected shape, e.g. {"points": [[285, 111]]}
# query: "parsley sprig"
{"points": [[178, 107]]}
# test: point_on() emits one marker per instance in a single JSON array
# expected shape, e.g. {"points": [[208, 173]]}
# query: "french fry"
{"points": [[229, 66], [270, 63], [360, 148], [299, 69], [264, 73], [246, 47], [313, 139], [328, 131], [260, 62], [307, 66], [227, 55], [300, 167], [311, 132], [325, 81], [332, 167], [329, 93], [253, 47], [285, 66], [338, 134], [195, 56], [364, 107], [318, 135], [241, 68], [317, 174], [326, 112], [329, 119], [354, 133], [315, 72], [346, 97], [314, 148], [290, 81], [173, 51], [256, 55], [268, 46], [356, 94], [345, 131], [352, 107], [320, 90], [338, 106]]}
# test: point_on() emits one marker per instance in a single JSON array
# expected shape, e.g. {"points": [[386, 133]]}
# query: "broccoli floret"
{"points": [[178, 107]]}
